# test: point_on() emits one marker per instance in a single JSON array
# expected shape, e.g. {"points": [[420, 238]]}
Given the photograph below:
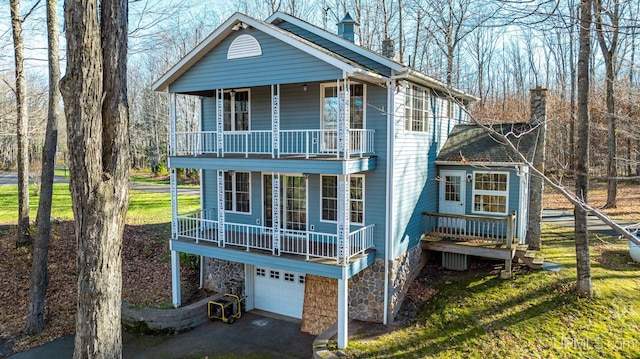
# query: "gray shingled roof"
{"points": [[472, 143]]}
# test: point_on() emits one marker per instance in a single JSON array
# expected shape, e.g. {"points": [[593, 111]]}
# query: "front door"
{"points": [[452, 195]]}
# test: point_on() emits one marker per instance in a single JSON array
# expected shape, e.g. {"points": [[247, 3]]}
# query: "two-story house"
{"points": [[318, 159]]}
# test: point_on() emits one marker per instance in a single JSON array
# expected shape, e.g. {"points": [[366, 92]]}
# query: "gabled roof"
{"points": [[226, 29], [470, 143], [399, 70], [349, 66]]}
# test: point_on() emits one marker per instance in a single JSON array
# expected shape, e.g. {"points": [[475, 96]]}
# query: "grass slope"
{"points": [[144, 207], [534, 315]]}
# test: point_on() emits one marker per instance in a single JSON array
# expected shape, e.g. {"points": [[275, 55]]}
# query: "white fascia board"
{"points": [[395, 66], [225, 29], [197, 52], [422, 79], [479, 164]]}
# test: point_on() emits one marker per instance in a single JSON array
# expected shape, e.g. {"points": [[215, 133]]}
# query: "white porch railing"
{"points": [[291, 142], [199, 226]]}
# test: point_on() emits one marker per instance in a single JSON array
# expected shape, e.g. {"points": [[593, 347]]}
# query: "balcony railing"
{"points": [[291, 142], [199, 226]]}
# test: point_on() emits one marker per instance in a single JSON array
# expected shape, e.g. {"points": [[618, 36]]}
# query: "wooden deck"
{"points": [[471, 248]]}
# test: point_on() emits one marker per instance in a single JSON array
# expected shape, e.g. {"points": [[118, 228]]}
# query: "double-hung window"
{"points": [[236, 110], [237, 192], [329, 200], [417, 109], [490, 192]]}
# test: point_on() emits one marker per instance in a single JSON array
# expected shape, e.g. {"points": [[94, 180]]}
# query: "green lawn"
{"points": [[144, 207], [534, 315]]}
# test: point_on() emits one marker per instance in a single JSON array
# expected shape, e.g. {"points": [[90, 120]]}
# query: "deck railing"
{"points": [[199, 226], [291, 142], [471, 228]]}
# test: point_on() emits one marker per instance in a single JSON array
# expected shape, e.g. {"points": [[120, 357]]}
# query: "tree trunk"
{"points": [[609, 53], [583, 265], [539, 119], [94, 92], [40, 271], [23, 237]]}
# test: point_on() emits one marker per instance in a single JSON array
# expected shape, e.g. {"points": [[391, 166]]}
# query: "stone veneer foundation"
{"points": [[366, 289], [223, 276]]}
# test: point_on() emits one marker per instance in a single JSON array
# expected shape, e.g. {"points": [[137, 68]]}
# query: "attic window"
{"points": [[244, 46]]}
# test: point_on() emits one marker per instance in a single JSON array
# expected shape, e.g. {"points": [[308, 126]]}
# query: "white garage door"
{"points": [[279, 291]]}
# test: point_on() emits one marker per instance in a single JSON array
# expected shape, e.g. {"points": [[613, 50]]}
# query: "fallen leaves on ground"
{"points": [[146, 277]]}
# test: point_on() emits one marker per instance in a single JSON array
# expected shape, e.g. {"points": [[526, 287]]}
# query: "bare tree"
{"points": [[22, 127], [95, 96], [607, 34], [583, 264], [40, 270]]}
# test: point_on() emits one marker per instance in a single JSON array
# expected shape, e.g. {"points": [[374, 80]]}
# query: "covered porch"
{"points": [[203, 226]]}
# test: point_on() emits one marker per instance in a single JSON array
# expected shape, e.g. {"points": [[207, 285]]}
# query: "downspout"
{"points": [[389, 197]]}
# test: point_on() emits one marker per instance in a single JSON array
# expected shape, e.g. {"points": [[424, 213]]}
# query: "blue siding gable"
{"points": [[279, 63]]}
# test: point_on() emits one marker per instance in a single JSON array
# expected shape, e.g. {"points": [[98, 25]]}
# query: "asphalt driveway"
{"points": [[254, 335]]}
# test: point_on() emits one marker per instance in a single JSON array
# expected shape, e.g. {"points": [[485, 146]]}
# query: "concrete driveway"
{"points": [[254, 336]]}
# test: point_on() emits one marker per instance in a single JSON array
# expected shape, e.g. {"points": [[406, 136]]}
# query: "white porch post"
{"points": [[175, 278], [275, 121], [344, 115], [344, 220], [173, 126], [173, 189], [275, 211], [221, 229], [220, 122], [343, 309]]}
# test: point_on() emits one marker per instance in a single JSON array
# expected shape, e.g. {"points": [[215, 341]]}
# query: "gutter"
{"points": [[479, 164], [420, 78]]}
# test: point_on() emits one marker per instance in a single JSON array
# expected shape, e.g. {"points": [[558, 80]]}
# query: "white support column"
{"points": [[173, 189], [344, 115], [175, 278], [275, 211], [173, 126], [220, 122], [343, 310], [199, 139], [344, 220], [275, 121], [221, 229]]}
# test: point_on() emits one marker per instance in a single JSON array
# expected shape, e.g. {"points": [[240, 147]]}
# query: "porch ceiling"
{"points": [[317, 266], [291, 164]]}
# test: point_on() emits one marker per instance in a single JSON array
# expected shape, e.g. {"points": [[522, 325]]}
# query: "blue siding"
{"points": [[414, 175], [279, 63], [346, 53], [514, 196]]}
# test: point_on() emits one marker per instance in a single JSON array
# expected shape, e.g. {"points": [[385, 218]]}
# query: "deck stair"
{"points": [[528, 256]]}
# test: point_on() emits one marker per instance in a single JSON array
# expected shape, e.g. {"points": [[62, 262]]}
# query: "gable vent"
{"points": [[244, 46]]}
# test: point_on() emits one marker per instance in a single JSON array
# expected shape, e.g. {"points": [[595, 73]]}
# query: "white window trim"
{"points": [[364, 204], [233, 108], [235, 193], [323, 86], [426, 109], [283, 204], [475, 192]]}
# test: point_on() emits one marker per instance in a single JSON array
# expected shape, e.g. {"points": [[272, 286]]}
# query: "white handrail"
{"points": [[292, 142]]}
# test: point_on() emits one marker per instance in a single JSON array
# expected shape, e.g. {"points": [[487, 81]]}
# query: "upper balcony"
{"points": [[294, 143]]}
